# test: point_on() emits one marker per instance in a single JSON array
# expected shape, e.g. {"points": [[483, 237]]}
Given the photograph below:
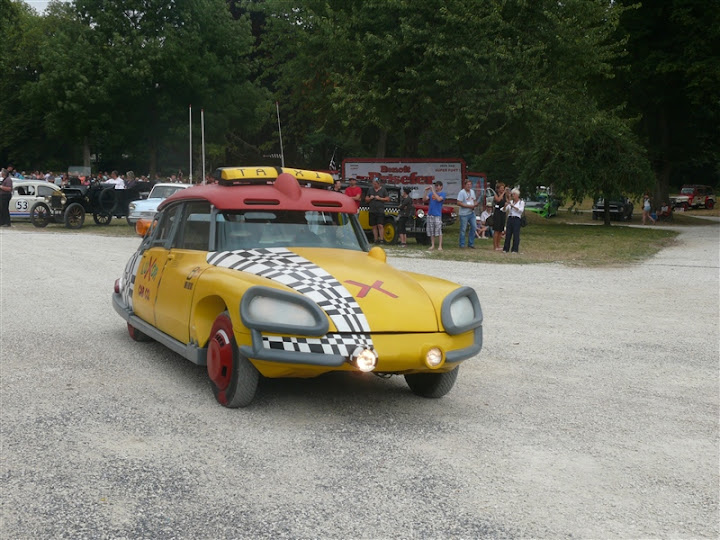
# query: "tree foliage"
{"points": [[589, 96]]}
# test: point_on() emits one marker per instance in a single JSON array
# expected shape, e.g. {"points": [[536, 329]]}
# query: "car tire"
{"points": [[685, 206], [390, 231], [74, 216], [40, 215], [102, 218], [137, 335], [709, 204], [432, 385], [107, 200], [233, 378]]}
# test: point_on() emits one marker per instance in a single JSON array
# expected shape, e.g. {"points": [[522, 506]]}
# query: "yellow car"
{"points": [[267, 272]]}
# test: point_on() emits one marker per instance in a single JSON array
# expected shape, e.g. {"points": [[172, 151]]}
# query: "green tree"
{"points": [[672, 81], [120, 76]]}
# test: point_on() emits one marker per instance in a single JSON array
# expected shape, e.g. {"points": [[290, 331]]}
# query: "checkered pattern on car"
{"points": [[131, 269], [305, 277], [342, 344]]}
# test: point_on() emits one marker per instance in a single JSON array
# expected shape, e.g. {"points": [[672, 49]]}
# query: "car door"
{"points": [[152, 264], [186, 260], [23, 198]]}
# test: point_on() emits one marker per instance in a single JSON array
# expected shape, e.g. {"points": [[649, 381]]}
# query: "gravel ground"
{"points": [[592, 412]]}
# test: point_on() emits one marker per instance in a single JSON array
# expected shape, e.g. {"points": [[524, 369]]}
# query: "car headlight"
{"points": [[420, 214], [131, 207], [281, 312], [461, 311]]}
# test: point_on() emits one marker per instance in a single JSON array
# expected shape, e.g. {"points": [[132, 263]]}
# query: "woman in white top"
{"points": [[514, 210]]}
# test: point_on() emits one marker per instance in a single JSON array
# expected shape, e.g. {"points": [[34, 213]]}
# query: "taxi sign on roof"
{"points": [[231, 176]]}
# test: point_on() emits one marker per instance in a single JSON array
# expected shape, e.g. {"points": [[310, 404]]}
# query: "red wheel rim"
{"points": [[220, 354]]}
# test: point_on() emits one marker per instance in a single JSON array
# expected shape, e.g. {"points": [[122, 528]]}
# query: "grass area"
{"points": [[571, 238]]}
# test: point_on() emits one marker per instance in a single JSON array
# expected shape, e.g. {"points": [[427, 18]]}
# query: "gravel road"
{"points": [[592, 412]]}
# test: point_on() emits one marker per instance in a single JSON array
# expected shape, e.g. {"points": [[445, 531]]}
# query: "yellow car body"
{"points": [[277, 308]]}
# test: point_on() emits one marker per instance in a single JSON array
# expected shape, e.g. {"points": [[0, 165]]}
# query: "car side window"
{"points": [[166, 225], [45, 191], [194, 231]]}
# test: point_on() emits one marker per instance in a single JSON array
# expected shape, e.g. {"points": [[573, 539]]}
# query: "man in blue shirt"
{"points": [[435, 197]]}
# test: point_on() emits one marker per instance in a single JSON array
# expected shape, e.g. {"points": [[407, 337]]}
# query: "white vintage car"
{"points": [[26, 194], [146, 208]]}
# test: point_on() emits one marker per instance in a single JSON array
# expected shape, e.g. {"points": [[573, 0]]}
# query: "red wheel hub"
{"points": [[220, 355]]}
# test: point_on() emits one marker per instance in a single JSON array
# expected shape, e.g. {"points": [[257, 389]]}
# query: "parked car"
{"points": [[694, 196], [543, 203], [146, 208], [26, 196], [257, 275], [620, 210], [415, 227], [103, 201]]}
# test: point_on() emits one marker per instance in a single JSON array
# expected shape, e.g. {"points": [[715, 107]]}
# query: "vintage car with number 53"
{"points": [[263, 274]]}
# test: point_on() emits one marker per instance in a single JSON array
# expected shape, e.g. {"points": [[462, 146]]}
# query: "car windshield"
{"points": [[163, 192], [687, 190], [250, 229]]}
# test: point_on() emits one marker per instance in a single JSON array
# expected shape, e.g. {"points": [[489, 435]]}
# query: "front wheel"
{"points": [[233, 378], [422, 238], [74, 216], [709, 204], [40, 214], [137, 335], [432, 385]]}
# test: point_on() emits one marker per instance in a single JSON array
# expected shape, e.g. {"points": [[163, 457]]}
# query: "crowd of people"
{"points": [[121, 181]]}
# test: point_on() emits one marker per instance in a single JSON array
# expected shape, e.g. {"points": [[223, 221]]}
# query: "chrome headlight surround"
{"points": [[267, 310], [461, 311]]}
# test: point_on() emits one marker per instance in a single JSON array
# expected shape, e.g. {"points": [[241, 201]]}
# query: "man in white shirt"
{"points": [[467, 202], [115, 179]]}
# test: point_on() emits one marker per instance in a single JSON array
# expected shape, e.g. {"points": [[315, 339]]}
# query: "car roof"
{"points": [[282, 193], [172, 184], [35, 182]]}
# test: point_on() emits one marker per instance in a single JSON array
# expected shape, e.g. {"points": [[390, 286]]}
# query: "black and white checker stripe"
{"points": [[305, 277], [131, 269], [342, 344]]}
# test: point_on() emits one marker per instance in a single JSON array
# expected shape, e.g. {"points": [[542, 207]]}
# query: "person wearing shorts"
{"points": [[376, 198], [435, 197]]}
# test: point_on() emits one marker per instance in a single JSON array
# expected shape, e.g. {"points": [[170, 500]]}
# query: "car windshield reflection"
{"points": [[251, 229]]}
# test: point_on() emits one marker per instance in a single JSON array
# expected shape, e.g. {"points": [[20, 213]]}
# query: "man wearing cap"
{"points": [[354, 191], [435, 197]]}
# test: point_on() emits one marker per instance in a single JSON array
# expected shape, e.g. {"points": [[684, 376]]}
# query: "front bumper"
{"points": [[397, 353]]}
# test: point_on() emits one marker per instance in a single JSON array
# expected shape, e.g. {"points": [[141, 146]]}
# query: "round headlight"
{"points": [[434, 357], [364, 359], [131, 207], [420, 214]]}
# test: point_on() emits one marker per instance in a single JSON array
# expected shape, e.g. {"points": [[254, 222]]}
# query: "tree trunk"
{"points": [[382, 144], [153, 156], [606, 210], [86, 152], [662, 166]]}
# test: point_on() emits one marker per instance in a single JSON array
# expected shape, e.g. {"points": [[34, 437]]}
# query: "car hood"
{"points": [[147, 205], [356, 290]]}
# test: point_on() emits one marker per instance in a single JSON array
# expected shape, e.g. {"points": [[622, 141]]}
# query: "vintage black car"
{"points": [[415, 226], [620, 209], [73, 202]]}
